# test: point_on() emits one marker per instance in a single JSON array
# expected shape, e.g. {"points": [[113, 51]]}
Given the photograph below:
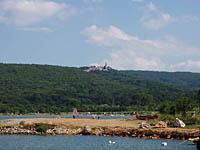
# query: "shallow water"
{"points": [[62, 116], [21, 142]]}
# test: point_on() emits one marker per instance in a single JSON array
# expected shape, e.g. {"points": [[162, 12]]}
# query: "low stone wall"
{"points": [[102, 131]]}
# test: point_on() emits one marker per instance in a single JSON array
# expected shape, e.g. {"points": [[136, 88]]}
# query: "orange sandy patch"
{"points": [[90, 122]]}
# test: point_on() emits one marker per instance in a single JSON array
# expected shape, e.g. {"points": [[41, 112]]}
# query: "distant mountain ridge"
{"points": [[44, 88]]}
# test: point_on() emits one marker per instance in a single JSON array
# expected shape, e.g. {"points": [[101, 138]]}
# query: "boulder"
{"points": [[161, 124], [144, 125], [178, 123], [86, 130]]}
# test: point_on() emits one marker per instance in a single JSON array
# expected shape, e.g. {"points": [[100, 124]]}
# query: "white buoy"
{"points": [[111, 142], [164, 143]]}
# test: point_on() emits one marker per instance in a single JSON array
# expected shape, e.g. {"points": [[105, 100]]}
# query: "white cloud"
{"points": [[29, 12], [154, 18], [189, 65], [130, 52], [128, 59], [35, 29], [101, 36]]}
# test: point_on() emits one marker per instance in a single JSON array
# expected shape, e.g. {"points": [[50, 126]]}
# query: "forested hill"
{"points": [[44, 88], [179, 78]]}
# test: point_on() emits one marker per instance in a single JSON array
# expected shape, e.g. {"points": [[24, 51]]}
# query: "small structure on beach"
{"points": [[75, 113]]}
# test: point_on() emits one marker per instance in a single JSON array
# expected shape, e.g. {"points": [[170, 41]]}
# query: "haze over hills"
{"points": [[44, 88]]}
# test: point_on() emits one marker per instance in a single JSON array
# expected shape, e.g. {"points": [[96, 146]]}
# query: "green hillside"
{"points": [[178, 78], [44, 88]]}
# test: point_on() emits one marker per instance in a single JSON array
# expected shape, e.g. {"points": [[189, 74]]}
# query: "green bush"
{"points": [[22, 123], [191, 121], [164, 117], [42, 128], [167, 118]]}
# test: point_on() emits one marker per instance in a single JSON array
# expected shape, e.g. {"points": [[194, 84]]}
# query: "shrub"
{"points": [[42, 128], [191, 121], [167, 117], [22, 123]]}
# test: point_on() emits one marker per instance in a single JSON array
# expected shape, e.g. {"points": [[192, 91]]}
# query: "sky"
{"points": [[160, 35]]}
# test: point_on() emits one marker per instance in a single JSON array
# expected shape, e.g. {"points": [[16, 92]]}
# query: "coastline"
{"points": [[112, 127]]}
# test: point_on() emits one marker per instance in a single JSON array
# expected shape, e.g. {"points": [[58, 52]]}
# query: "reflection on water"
{"points": [[14, 142]]}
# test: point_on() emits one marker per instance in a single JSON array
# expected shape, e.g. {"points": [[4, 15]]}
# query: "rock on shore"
{"points": [[167, 133]]}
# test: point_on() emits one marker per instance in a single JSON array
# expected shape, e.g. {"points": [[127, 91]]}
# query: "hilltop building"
{"points": [[98, 68]]}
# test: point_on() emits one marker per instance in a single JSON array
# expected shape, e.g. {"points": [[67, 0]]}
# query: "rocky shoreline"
{"points": [[154, 133]]}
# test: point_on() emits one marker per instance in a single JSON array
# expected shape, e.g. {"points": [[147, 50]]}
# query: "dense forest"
{"points": [[44, 88]]}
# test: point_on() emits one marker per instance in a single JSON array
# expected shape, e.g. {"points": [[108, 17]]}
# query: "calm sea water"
{"points": [[21, 142], [61, 116]]}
